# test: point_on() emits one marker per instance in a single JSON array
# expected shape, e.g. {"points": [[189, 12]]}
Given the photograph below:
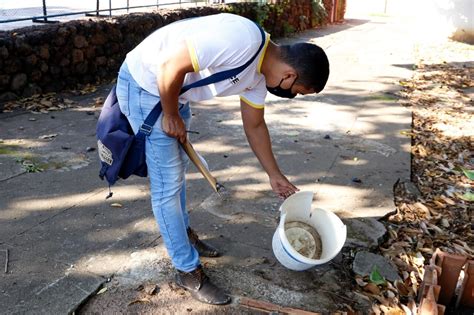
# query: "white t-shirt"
{"points": [[215, 43]]}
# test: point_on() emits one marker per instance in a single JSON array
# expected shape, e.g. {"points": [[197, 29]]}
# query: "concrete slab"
{"points": [[60, 218], [73, 289], [34, 288]]}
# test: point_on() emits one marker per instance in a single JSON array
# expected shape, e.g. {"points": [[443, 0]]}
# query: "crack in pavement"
{"points": [[57, 214]]}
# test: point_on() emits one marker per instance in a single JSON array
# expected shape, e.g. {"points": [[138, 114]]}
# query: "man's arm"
{"points": [[170, 81], [259, 139]]}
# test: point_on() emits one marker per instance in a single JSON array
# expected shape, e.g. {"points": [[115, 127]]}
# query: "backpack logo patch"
{"points": [[105, 154]]}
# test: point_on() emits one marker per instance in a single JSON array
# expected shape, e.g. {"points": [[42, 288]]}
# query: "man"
{"points": [[187, 51]]}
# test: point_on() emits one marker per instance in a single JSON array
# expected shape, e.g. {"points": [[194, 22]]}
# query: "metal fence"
{"points": [[18, 13]]}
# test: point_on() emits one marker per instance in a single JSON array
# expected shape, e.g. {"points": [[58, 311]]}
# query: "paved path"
{"points": [[65, 239]]}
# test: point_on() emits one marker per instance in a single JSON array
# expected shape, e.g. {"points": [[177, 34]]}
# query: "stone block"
{"points": [[8, 96], [4, 52], [77, 56], [364, 263], [80, 41], [4, 80], [364, 232], [19, 81], [44, 52]]}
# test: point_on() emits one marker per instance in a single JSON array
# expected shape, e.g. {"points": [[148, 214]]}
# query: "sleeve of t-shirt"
{"points": [[255, 96], [227, 49]]}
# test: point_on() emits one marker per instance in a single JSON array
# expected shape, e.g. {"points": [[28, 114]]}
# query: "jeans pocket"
{"points": [[123, 96]]}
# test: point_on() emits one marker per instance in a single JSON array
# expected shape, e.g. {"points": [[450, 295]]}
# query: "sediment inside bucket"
{"points": [[304, 239]]}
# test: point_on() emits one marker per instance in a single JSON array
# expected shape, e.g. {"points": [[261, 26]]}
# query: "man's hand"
{"points": [[173, 126], [282, 186]]}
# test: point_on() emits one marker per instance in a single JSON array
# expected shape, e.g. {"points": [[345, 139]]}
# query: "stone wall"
{"points": [[50, 58]]}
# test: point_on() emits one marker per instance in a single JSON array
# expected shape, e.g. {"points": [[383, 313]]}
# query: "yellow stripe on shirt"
{"points": [[257, 106], [193, 55], [264, 49]]}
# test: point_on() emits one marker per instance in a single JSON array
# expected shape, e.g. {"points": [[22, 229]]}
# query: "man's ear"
{"points": [[290, 74]]}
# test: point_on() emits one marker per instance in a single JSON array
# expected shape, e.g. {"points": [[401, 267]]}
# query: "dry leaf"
{"points": [[448, 200], [349, 308], [143, 300], [445, 222], [46, 102], [116, 205], [47, 137], [391, 310], [360, 282], [426, 250], [389, 294], [372, 288], [405, 275], [376, 309], [150, 289], [101, 290], [414, 281], [407, 310], [402, 288], [418, 259], [435, 228]]}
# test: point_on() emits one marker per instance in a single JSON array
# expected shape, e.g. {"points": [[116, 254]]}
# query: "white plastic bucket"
{"points": [[329, 227]]}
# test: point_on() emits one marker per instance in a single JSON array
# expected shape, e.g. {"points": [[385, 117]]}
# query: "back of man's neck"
{"points": [[271, 59]]}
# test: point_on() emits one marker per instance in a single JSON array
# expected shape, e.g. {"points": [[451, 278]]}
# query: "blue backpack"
{"points": [[121, 152]]}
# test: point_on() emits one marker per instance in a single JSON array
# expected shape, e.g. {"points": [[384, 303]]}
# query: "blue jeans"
{"points": [[167, 163]]}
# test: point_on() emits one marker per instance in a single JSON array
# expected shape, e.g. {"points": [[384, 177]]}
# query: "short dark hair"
{"points": [[309, 61]]}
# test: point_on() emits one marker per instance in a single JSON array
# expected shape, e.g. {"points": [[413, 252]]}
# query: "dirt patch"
{"points": [[165, 297]]}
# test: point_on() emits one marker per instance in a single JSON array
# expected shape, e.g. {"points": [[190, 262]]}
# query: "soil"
{"points": [[167, 297]]}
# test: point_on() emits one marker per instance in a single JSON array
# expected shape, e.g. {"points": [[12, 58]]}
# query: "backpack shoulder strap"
{"points": [[220, 76], [147, 126]]}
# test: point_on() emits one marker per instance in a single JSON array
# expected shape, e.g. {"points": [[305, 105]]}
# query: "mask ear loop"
{"points": [[279, 85], [296, 79]]}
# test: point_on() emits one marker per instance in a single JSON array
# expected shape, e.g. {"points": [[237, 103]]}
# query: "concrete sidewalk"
{"points": [[65, 240]]}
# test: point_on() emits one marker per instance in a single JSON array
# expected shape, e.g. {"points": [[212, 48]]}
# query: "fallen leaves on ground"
{"points": [[439, 214], [49, 102], [43, 103]]}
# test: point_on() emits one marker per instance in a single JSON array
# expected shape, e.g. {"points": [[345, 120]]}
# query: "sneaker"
{"points": [[200, 287], [204, 250]]}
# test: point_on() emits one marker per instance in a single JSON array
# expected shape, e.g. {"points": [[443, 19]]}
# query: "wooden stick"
{"points": [[188, 148]]}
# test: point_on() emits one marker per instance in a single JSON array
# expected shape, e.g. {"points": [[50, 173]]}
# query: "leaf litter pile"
{"points": [[435, 209], [39, 103], [50, 102]]}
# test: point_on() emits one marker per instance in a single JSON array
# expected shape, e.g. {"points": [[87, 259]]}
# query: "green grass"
{"points": [[29, 162], [8, 149], [382, 97]]}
